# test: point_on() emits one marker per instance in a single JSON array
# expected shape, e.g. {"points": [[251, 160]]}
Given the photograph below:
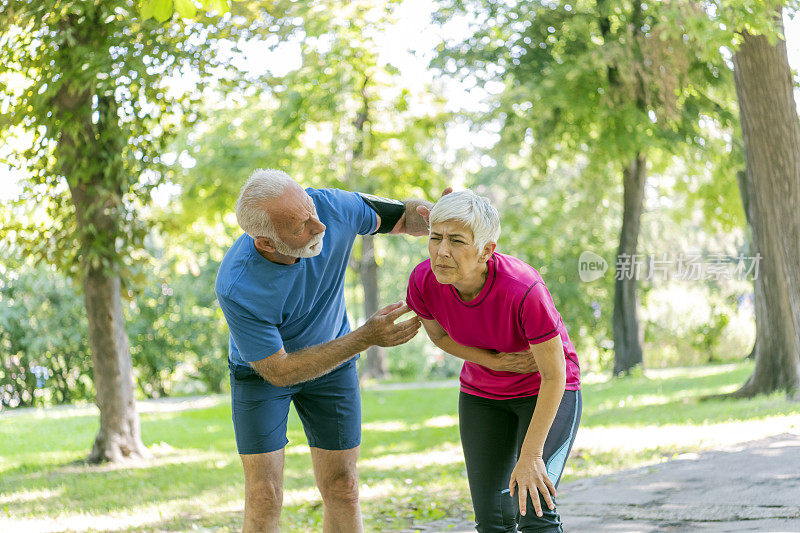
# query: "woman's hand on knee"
{"points": [[529, 477]]}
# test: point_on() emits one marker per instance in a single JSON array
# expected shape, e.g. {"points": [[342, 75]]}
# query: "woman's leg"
{"points": [[489, 439], [556, 449]]}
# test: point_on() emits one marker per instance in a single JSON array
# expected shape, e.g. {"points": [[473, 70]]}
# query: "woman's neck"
{"points": [[469, 288]]}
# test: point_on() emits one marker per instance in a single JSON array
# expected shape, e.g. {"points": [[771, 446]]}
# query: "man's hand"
{"points": [[520, 362], [425, 212], [381, 330]]}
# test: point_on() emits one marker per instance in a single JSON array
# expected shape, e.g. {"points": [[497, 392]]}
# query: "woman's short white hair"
{"points": [[251, 211], [475, 211]]}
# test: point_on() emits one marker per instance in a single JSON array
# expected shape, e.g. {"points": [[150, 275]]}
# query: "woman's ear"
{"points": [[488, 250]]}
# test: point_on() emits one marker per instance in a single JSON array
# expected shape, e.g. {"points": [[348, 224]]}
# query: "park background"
{"points": [[605, 127]]}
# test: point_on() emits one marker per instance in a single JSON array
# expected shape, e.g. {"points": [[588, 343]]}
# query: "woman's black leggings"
{"points": [[492, 432]]}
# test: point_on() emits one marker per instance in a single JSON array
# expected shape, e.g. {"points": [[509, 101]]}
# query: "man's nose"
{"points": [[319, 226]]}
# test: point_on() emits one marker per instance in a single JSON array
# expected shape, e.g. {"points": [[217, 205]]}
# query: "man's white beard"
{"points": [[305, 251]]}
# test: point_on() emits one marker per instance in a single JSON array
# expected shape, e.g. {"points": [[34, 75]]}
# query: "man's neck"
{"points": [[277, 257]]}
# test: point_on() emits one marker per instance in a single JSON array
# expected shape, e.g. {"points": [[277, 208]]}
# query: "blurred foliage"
{"points": [[179, 342], [177, 335], [44, 350], [88, 106], [306, 122]]}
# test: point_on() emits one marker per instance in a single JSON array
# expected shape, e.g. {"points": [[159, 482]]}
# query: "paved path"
{"points": [[748, 487]]}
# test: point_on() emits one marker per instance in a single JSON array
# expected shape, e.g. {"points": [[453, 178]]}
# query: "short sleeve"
{"points": [[414, 297], [354, 209], [254, 338], [538, 315]]}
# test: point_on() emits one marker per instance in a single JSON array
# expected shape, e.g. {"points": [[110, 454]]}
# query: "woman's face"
{"points": [[454, 257]]}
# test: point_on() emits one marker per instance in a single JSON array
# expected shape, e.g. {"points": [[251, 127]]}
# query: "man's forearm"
{"points": [[312, 362]]}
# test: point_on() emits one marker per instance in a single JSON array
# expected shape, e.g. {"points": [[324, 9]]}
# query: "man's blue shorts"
{"points": [[329, 407]]}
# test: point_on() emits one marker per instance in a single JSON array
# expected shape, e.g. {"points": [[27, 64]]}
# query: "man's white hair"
{"points": [[475, 211], [251, 213]]}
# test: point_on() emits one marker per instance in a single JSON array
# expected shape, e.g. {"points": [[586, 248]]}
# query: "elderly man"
{"points": [[281, 288]]}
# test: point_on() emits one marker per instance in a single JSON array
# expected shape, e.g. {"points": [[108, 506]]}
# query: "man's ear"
{"points": [[488, 250], [263, 244]]}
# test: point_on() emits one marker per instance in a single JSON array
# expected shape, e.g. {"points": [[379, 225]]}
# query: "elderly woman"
{"points": [[517, 429]]}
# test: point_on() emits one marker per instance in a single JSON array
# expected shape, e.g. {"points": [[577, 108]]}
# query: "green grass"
{"points": [[411, 467]]}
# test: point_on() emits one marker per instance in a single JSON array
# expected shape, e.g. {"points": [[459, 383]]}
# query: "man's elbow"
{"points": [[273, 373], [278, 380]]}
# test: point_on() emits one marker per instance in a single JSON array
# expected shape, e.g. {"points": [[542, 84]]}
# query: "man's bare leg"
{"points": [[337, 478], [263, 491]]}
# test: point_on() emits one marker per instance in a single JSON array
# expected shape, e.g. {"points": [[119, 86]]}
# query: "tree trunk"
{"points": [[771, 193], [773, 345], [119, 437], [627, 334], [375, 366], [96, 192]]}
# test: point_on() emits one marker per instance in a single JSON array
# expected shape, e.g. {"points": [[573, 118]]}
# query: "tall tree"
{"points": [[620, 84], [770, 189], [88, 84]]}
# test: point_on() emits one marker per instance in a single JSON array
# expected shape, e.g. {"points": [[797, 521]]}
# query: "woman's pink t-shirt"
{"points": [[513, 310]]}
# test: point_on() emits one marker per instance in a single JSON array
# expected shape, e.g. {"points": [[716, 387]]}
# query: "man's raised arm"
{"points": [[409, 216]]}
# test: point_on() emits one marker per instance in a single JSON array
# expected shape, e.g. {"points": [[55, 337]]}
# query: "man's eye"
{"points": [[435, 238], [459, 242]]}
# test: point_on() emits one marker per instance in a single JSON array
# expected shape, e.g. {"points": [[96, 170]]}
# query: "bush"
{"points": [[43, 339], [179, 340], [177, 335]]}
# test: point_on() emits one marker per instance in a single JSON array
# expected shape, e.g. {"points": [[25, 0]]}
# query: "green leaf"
{"points": [[186, 8], [147, 9], [161, 10], [220, 6]]}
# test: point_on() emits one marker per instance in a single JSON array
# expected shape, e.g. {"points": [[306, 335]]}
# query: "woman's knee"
{"points": [[494, 512]]}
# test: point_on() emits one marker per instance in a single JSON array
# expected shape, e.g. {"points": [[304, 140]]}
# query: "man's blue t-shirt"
{"points": [[269, 306]]}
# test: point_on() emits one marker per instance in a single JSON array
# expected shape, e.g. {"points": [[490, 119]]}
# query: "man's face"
{"points": [[299, 230]]}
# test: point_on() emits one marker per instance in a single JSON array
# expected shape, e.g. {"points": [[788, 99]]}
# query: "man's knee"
{"points": [[265, 496], [340, 488]]}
